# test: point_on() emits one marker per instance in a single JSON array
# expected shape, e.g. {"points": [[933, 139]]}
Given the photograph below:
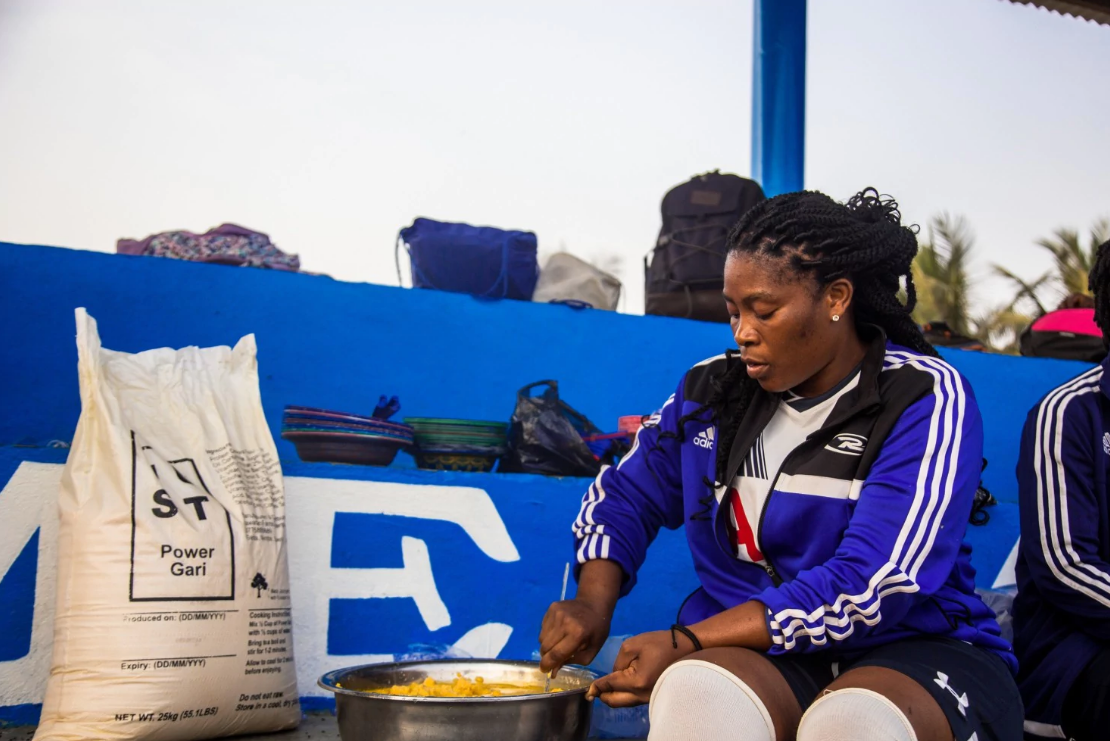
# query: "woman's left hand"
{"points": [[641, 661]]}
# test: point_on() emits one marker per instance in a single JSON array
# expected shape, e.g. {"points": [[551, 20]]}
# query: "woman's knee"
{"points": [[872, 703], [855, 714], [717, 692]]}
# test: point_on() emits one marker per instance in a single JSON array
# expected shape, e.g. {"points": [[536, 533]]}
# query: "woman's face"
{"points": [[783, 322]]}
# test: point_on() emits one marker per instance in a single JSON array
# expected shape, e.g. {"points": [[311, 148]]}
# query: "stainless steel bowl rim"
{"points": [[329, 680]]}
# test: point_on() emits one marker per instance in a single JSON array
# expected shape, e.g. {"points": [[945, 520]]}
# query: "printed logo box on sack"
{"points": [[173, 613]]}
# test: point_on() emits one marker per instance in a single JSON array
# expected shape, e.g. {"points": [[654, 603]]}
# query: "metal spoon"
{"points": [[562, 596]]}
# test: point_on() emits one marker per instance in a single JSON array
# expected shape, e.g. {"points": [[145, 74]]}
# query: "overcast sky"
{"points": [[331, 125]]}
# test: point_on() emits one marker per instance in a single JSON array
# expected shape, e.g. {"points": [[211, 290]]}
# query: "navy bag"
{"points": [[479, 260]]}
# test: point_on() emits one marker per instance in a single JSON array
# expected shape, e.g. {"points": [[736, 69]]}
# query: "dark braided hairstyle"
{"points": [[862, 240], [1099, 284]]}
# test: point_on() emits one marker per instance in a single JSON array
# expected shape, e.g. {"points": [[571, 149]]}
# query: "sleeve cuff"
{"points": [[598, 546], [772, 600]]}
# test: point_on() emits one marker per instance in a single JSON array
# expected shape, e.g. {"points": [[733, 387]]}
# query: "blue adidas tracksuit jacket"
{"points": [[862, 533], [1062, 610]]}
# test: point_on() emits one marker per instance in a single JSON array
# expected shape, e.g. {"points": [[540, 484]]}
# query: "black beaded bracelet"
{"points": [[686, 632]]}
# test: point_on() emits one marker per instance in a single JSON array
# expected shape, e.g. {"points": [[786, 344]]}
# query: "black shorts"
{"points": [[973, 687], [1086, 713]]}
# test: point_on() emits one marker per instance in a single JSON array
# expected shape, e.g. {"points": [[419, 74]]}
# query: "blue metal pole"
{"points": [[779, 95]]}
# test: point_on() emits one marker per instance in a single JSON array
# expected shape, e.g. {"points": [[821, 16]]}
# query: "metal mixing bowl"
{"points": [[364, 716]]}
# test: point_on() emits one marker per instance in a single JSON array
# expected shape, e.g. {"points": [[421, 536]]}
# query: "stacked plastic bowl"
{"points": [[322, 435], [458, 444]]}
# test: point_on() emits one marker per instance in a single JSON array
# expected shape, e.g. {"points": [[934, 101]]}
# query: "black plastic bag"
{"points": [[545, 436]]}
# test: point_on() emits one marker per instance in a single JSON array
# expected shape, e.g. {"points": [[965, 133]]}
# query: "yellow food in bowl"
{"points": [[462, 687]]}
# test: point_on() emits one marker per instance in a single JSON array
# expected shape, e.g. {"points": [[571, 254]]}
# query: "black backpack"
{"points": [[684, 273], [1045, 338], [1062, 345], [939, 334]]}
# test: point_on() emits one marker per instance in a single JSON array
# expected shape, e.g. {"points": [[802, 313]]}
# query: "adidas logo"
{"points": [[704, 439]]}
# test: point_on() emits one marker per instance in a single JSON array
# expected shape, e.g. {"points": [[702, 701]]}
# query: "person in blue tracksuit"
{"points": [[1062, 610], [825, 475]]}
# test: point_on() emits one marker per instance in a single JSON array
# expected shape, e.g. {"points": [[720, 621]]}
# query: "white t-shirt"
{"points": [[795, 419]]}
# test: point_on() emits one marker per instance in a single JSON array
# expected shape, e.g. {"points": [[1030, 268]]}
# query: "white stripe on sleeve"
{"points": [[1052, 495]]}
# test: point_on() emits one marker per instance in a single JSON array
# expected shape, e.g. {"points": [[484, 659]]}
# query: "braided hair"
{"points": [[862, 240], [1099, 284]]}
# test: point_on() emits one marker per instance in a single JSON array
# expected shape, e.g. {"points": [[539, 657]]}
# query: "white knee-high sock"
{"points": [[699, 701], [855, 714]]}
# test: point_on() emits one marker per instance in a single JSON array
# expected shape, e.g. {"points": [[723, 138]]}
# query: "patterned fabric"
{"points": [[755, 465], [227, 244]]}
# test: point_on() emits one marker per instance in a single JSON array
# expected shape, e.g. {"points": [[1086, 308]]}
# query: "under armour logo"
{"points": [[1106, 443], [942, 682], [847, 444]]}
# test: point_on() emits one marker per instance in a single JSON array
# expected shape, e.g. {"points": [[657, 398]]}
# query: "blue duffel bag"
{"points": [[479, 260]]}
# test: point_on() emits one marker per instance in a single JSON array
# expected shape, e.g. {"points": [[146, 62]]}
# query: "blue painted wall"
{"points": [[340, 345], [327, 343], [536, 511]]}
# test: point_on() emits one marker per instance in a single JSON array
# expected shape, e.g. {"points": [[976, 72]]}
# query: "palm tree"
{"points": [[1000, 328], [1069, 276], [940, 272], [1026, 290], [1073, 262], [1003, 325]]}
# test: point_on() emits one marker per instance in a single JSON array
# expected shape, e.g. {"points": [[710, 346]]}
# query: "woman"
{"points": [[1062, 611], [825, 475]]}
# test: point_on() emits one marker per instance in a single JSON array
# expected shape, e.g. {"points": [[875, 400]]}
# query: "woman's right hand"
{"points": [[573, 632]]}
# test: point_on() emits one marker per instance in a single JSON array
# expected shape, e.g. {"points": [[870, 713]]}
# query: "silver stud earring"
{"points": [[836, 317]]}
